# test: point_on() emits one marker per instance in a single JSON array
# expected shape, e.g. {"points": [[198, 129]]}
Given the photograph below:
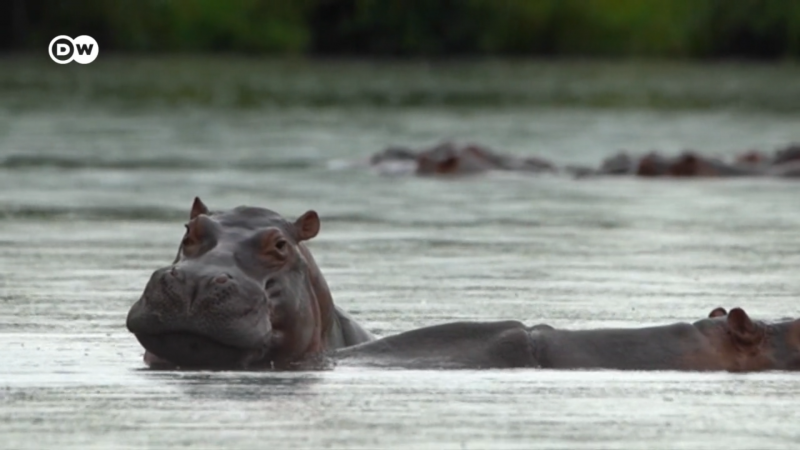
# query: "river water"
{"points": [[99, 165]]}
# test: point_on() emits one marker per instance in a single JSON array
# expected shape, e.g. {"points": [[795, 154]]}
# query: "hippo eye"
{"points": [[273, 246]]}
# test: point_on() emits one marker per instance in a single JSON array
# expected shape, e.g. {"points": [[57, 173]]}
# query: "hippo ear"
{"points": [[307, 226], [717, 312], [742, 328], [198, 208]]}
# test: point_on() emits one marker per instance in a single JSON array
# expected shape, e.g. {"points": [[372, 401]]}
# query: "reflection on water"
{"points": [[94, 192], [260, 388]]}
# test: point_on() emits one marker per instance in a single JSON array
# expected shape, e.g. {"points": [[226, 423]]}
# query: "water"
{"points": [[99, 165]]}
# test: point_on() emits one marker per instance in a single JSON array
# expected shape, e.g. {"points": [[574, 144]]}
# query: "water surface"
{"points": [[99, 165]]}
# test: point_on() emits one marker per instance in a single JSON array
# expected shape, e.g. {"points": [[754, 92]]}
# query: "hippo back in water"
{"points": [[243, 292], [724, 341]]}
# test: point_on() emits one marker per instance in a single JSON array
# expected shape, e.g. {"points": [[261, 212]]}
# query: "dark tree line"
{"points": [[668, 28]]}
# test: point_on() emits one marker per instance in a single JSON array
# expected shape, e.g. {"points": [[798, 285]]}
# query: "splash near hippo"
{"points": [[244, 293]]}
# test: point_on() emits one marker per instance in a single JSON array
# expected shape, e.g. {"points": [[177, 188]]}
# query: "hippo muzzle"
{"points": [[243, 292], [199, 316]]}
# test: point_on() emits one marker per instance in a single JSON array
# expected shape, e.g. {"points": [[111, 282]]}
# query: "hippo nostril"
{"points": [[175, 273], [222, 279]]}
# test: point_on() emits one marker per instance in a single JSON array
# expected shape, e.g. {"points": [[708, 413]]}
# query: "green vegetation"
{"points": [[607, 28]]}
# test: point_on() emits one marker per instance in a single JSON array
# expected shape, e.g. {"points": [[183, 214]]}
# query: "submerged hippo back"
{"points": [[679, 346], [723, 341]]}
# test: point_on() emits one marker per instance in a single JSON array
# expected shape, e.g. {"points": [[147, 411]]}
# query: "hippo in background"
{"points": [[451, 159], [691, 164], [781, 156], [784, 162], [653, 164]]}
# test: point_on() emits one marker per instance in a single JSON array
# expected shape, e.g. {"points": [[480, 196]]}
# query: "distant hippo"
{"points": [[688, 164], [751, 158], [448, 159], [725, 341], [785, 163], [789, 154], [691, 164], [243, 292]]}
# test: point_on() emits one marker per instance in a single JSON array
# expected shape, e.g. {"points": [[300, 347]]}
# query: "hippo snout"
{"points": [[173, 272], [195, 316], [177, 278], [175, 290]]}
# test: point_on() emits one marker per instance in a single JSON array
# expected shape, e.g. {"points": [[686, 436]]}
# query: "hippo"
{"points": [[243, 292], [724, 341], [788, 154], [691, 164], [784, 163], [688, 164], [451, 159], [751, 158]]}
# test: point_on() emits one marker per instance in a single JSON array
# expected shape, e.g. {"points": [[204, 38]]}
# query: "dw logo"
{"points": [[82, 49]]}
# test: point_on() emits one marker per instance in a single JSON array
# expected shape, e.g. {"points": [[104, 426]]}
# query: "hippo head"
{"points": [[751, 157], [652, 165], [750, 345], [439, 160], [788, 154], [242, 292], [686, 165], [690, 164]]}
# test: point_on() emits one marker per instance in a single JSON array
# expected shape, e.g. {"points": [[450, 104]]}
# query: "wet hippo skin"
{"points": [[725, 341], [243, 292]]}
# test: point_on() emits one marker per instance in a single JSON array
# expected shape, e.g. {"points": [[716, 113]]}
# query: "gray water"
{"points": [[99, 165]]}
